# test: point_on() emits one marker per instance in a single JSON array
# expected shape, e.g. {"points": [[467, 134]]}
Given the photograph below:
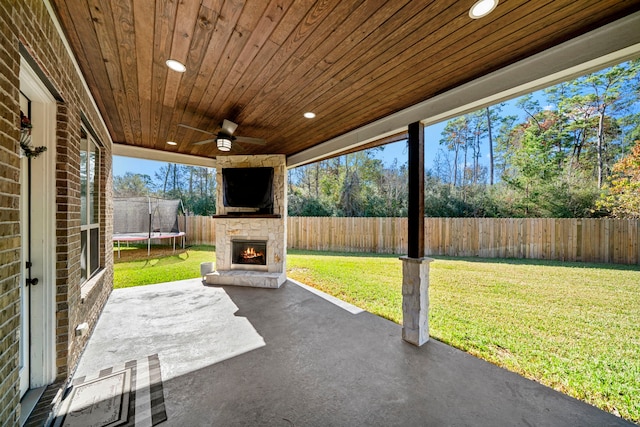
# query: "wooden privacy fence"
{"points": [[200, 230], [581, 239], [564, 239], [374, 235]]}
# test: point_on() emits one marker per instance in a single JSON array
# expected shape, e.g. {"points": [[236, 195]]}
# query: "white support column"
{"points": [[415, 300]]}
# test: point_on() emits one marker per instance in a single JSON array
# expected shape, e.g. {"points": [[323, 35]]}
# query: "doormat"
{"points": [[129, 395]]}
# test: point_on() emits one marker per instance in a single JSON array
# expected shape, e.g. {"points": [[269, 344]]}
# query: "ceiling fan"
{"points": [[224, 138]]}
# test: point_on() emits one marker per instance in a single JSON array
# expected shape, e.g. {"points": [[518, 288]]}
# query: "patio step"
{"points": [[255, 279]]}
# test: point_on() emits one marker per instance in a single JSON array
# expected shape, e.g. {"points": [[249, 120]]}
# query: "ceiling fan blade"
{"points": [[192, 128], [250, 140], [237, 148], [228, 127], [206, 141]]}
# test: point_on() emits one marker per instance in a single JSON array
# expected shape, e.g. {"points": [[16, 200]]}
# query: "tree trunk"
{"points": [[317, 177], [175, 177], [490, 147], [600, 147], [206, 182], [464, 165], [166, 179]]}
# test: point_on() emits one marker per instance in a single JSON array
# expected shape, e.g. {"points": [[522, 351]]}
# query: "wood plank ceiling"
{"points": [[262, 63]]}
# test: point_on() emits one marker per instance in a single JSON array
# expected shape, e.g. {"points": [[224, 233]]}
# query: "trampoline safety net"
{"points": [[148, 215]]}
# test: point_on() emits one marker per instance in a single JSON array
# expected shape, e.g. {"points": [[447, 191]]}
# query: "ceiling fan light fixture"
{"points": [[224, 144], [482, 8], [176, 65]]}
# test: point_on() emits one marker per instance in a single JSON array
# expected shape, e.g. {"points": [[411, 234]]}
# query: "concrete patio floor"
{"points": [[233, 356]]}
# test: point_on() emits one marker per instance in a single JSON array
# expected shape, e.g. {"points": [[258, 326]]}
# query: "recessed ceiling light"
{"points": [[176, 65], [309, 115], [482, 8], [172, 143]]}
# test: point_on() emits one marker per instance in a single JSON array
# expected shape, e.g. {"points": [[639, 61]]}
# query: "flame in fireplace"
{"points": [[250, 253]]}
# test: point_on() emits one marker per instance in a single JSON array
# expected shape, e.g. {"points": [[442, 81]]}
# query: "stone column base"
{"points": [[415, 300]]}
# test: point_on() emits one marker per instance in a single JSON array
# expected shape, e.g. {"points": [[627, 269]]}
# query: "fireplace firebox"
{"points": [[248, 254]]}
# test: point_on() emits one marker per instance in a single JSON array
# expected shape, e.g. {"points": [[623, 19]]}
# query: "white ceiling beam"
{"points": [[608, 45], [162, 156]]}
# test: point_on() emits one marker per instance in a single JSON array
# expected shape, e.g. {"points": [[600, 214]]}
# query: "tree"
{"points": [[195, 186], [132, 185], [621, 196], [478, 127], [490, 134], [356, 184], [394, 190], [455, 137], [592, 109], [610, 92]]}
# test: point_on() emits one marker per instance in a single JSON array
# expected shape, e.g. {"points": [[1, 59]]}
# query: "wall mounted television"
{"points": [[248, 188]]}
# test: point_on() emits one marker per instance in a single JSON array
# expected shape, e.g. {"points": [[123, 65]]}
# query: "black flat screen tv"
{"points": [[248, 188]]}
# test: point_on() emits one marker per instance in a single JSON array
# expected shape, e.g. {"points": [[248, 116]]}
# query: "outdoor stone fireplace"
{"points": [[250, 241]]}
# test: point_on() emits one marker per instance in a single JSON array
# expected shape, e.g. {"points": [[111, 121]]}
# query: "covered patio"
{"points": [[238, 356], [97, 84]]}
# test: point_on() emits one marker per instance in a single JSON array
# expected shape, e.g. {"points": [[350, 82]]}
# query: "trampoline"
{"points": [[136, 219]]}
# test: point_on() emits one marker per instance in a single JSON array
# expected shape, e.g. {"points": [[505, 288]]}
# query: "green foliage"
{"points": [[356, 184], [301, 205], [621, 195], [132, 184]]}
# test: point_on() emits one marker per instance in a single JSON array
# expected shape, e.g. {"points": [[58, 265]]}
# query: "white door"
{"points": [[37, 231]]}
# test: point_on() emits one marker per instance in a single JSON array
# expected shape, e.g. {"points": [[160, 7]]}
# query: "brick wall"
{"points": [[29, 22], [9, 225]]}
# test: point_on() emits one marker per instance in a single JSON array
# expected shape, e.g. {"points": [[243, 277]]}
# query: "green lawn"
{"points": [[571, 326], [160, 269]]}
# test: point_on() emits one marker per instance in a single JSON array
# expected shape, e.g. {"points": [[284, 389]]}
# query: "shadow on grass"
{"points": [[161, 261], [511, 261], [135, 253]]}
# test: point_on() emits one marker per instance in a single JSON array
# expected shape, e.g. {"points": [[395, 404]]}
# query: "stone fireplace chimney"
{"points": [[262, 236]]}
